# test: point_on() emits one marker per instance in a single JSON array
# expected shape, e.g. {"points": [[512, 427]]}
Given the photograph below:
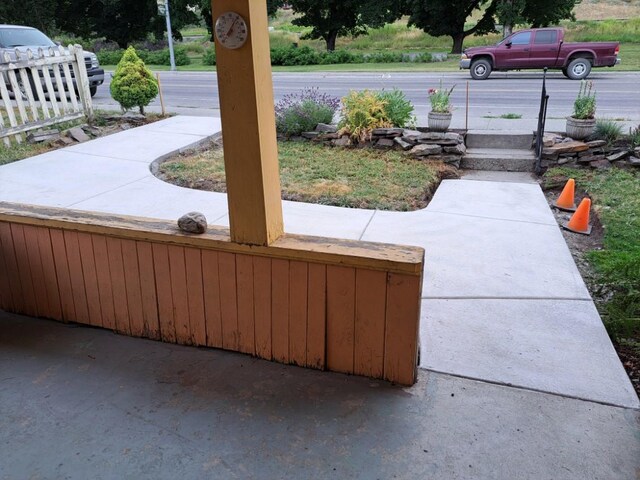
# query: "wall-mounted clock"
{"points": [[231, 30]]}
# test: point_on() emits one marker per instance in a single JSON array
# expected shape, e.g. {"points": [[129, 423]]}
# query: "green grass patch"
{"points": [[506, 116], [19, 151], [359, 178], [616, 200]]}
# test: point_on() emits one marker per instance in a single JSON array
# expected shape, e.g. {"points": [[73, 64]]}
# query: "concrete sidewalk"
{"points": [[520, 379]]}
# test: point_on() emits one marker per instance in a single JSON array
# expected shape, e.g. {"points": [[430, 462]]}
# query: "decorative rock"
{"points": [[381, 132], [325, 128], [385, 143], [596, 143], [634, 161], [601, 164], [343, 141], [134, 116], [78, 134], [452, 136], [566, 147], [589, 159], [193, 222], [310, 135], [426, 149], [619, 156], [125, 126], [43, 136], [407, 131], [459, 149], [636, 151], [328, 136], [431, 136], [564, 160], [403, 144], [549, 139]]}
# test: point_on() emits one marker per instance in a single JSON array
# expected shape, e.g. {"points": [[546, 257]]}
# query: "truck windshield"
{"points": [[23, 37]]}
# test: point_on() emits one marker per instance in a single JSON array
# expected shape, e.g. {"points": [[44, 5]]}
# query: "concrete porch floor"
{"points": [[518, 379]]}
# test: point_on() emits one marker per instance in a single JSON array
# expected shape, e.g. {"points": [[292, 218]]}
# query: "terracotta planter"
{"points": [[580, 129], [439, 121]]}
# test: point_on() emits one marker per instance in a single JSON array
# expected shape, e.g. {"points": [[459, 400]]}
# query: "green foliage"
{"points": [[623, 31], [385, 57], [133, 84], [109, 57], [156, 57], [209, 57], [362, 112], [341, 57], [607, 130], [634, 137], [34, 13], [440, 99], [399, 110], [584, 106], [302, 112]]}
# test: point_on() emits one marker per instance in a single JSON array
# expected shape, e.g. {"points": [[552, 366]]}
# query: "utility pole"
{"points": [[163, 9]]}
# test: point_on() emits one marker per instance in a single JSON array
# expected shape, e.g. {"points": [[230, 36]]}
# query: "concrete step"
{"points": [[499, 159], [501, 140]]}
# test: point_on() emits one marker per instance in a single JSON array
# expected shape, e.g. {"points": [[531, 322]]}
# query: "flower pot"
{"points": [[580, 129], [439, 121]]}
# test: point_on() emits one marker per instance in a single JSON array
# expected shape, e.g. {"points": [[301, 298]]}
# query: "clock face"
{"points": [[231, 30]]}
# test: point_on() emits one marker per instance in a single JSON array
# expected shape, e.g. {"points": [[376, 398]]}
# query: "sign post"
{"points": [[163, 9]]}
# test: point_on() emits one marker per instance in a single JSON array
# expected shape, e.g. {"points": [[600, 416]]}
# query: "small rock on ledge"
{"points": [[193, 222]]}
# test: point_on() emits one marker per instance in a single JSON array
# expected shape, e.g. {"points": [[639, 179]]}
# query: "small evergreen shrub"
{"points": [[301, 112], [209, 57], [607, 130], [362, 112], [133, 84], [399, 110]]}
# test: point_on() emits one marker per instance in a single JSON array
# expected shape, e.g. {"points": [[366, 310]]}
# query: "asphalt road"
{"points": [[618, 94]]}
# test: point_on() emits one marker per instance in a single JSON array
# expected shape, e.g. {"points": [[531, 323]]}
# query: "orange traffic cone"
{"points": [[566, 199], [579, 222]]}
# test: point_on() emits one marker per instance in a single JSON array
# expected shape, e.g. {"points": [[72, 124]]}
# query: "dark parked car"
{"points": [[14, 37], [539, 48]]}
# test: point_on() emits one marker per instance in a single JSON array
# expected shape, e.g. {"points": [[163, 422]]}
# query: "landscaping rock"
{"points": [[78, 134], [385, 143], [459, 149], [325, 128], [125, 126], [403, 144], [193, 222], [550, 139], [43, 136], [343, 141], [328, 136], [134, 117], [566, 147], [430, 136], [634, 161], [310, 135], [601, 164], [589, 159], [455, 137], [619, 156], [425, 150], [596, 143]]}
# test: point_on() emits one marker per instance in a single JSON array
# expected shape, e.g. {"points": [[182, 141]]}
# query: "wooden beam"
{"points": [[248, 128]]}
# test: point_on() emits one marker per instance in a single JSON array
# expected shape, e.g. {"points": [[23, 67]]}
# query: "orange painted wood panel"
{"points": [[35, 267], [6, 300], [24, 271], [89, 272], [197, 321], [151, 326], [262, 306], [211, 284], [118, 285], [317, 316], [228, 300], [63, 275], [11, 263], [49, 271], [132, 283], [246, 323], [105, 286], [179, 293], [341, 296], [77, 276], [371, 300], [402, 329], [280, 310], [298, 281], [163, 289]]}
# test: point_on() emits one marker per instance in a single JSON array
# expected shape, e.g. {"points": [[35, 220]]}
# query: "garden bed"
{"points": [[345, 177]]}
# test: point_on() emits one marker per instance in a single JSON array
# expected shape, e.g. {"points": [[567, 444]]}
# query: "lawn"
{"points": [[358, 178]]}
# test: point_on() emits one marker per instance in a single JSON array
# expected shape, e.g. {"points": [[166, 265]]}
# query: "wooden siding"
{"points": [[339, 316]]}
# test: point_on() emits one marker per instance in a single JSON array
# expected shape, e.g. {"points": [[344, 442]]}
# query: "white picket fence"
{"points": [[42, 89]]}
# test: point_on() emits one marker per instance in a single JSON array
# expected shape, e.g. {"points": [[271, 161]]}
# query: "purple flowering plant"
{"points": [[302, 111]]}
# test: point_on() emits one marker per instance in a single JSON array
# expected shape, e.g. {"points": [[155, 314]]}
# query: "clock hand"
{"points": [[231, 28]]}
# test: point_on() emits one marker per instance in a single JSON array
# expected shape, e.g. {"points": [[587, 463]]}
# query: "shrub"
{"points": [[363, 111], [133, 84], [424, 57], [440, 99], [209, 57], [109, 57], [163, 57], [302, 112], [340, 57], [584, 107], [385, 57], [292, 56], [634, 137], [607, 130], [399, 110]]}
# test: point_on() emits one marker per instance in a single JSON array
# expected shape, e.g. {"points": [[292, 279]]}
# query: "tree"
{"points": [[331, 18], [448, 17], [207, 16], [133, 84], [542, 13], [509, 13], [32, 13]]}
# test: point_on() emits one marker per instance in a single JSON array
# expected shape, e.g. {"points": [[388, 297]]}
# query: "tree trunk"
{"points": [[458, 39], [507, 29], [331, 40]]}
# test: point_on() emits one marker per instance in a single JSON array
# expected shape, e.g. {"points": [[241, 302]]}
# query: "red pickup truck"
{"points": [[539, 48]]}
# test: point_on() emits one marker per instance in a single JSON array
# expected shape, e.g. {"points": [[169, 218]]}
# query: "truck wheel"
{"points": [[480, 69], [93, 91], [565, 72], [578, 68]]}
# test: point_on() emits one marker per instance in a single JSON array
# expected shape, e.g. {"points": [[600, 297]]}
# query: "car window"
{"points": [[546, 37], [522, 38], [21, 37]]}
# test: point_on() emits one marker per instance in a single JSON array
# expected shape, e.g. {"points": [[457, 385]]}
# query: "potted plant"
{"points": [[583, 121], [440, 115]]}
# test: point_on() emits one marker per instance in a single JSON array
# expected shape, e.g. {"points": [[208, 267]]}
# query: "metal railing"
{"points": [[542, 120]]}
